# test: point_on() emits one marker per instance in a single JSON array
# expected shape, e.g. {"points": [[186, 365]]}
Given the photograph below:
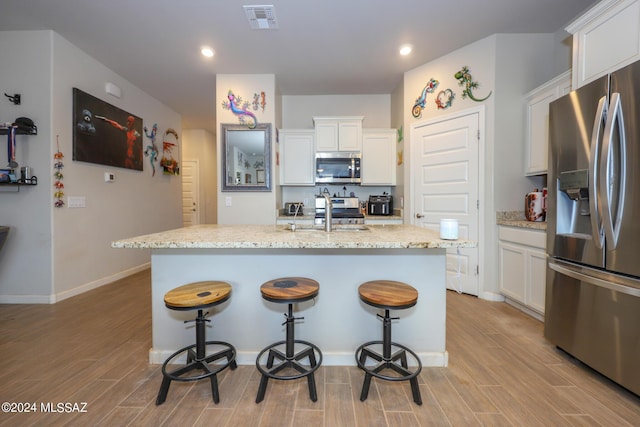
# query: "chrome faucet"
{"points": [[328, 207], [295, 214]]}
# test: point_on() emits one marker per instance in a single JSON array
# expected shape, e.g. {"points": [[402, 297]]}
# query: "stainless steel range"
{"points": [[346, 210]]}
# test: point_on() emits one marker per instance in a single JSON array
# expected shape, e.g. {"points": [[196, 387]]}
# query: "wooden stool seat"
{"points": [[290, 289], [197, 295], [388, 294]]}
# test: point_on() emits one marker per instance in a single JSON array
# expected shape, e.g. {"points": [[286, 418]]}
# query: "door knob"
{"points": [[419, 215]]}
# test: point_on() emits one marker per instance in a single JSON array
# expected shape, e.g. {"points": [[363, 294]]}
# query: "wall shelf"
{"points": [[4, 130], [15, 186]]}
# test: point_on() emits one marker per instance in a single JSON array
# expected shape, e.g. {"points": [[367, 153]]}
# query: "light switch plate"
{"points": [[77, 202]]}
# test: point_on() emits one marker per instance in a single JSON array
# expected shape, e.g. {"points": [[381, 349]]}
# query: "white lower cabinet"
{"points": [[523, 264]]}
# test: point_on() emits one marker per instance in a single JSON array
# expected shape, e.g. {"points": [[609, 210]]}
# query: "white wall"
{"points": [[58, 253], [508, 65], [26, 261], [298, 111], [247, 207]]}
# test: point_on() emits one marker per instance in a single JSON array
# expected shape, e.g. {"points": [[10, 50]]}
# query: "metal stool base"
{"points": [[310, 351], [402, 369], [206, 365], [289, 359]]}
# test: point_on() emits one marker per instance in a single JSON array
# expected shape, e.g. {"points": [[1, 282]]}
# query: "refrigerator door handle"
{"points": [[615, 120], [594, 163], [573, 272]]}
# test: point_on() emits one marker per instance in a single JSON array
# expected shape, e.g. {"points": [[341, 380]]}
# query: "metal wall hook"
{"points": [[15, 98]]}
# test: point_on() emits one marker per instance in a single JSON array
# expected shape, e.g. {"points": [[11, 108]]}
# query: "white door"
{"points": [[445, 159], [190, 206]]}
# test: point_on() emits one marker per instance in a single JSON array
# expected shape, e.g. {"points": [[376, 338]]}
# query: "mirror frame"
{"points": [[265, 128]]}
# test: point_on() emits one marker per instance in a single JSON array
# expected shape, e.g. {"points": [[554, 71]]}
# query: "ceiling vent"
{"points": [[261, 17]]}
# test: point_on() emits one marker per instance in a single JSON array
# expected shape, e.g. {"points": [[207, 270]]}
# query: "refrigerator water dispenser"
{"points": [[573, 212]]}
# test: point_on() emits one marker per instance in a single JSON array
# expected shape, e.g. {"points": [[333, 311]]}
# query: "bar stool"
{"points": [[198, 296], [289, 290], [388, 295]]}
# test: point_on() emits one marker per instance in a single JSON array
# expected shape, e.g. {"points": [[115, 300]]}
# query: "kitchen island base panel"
{"points": [[338, 322]]}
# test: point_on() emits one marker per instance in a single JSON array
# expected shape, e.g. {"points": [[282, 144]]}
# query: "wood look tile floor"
{"points": [[93, 348]]}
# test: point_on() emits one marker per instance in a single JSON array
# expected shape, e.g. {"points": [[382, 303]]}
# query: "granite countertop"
{"points": [[516, 219], [215, 236]]}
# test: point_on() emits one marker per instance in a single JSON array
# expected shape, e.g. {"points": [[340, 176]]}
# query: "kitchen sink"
{"points": [[337, 227], [350, 227]]}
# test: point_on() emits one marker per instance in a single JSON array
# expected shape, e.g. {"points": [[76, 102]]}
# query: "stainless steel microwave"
{"points": [[338, 168]]}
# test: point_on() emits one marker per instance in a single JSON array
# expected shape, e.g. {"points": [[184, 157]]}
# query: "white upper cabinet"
{"points": [[537, 122], [605, 38], [297, 154], [338, 133], [379, 157]]}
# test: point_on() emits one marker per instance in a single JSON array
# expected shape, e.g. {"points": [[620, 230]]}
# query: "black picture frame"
{"points": [[105, 134]]}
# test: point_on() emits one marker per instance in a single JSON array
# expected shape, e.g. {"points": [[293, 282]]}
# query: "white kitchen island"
{"points": [[337, 321]]}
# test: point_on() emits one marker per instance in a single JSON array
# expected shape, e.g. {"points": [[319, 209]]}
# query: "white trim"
{"points": [[592, 13], [52, 299], [526, 310]]}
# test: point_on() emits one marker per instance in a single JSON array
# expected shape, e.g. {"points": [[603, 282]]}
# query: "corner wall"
{"points": [[56, 253]]}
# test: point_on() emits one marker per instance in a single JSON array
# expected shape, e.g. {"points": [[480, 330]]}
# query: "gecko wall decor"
{"points": [[241, 109], [464, 79]]}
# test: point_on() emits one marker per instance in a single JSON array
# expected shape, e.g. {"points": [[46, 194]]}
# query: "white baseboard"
{"points": [[492, 296], [52, 299], [525, 309]]}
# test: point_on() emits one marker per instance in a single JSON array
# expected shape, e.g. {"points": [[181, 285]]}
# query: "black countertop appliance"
{"points": [[380, 205]]}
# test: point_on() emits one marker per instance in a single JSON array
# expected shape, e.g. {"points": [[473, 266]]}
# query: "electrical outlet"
{"points": [[109, 177], [227, 201], [77, 202]]}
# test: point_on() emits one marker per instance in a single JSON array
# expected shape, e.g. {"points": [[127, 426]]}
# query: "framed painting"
{"points": [[105, 134]]}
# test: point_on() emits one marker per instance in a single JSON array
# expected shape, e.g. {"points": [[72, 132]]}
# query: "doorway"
{"points": [[445, 156], [190, 203]]}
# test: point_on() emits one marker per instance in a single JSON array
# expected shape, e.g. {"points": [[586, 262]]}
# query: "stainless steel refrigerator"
{"points": [[592, 308]]}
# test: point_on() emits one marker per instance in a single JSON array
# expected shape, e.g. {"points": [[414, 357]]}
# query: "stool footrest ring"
{"points": [[402, 369], [204, 365], [311, 351], [270, 370]]}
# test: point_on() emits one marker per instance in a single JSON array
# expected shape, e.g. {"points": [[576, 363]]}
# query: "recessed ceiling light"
{"points": [[207, 51], [405, 49]]}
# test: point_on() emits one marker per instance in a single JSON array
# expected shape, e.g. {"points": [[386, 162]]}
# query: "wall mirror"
{"points": [[246, 157]]}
